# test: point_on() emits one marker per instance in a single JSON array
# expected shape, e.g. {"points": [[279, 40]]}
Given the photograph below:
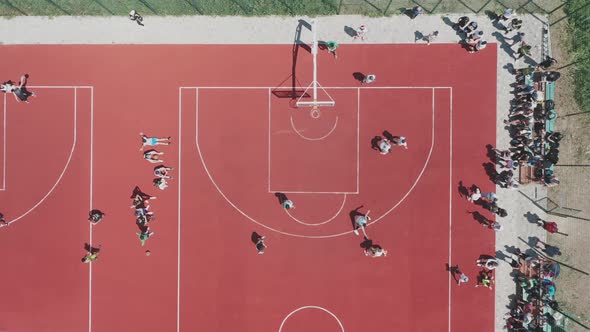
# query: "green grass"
{"points": [[256, 7], [579, 24]]}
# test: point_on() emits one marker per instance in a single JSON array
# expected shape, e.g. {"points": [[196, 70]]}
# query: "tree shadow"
{"points": [[104, 7], [13, 7], [350, 31], [58, 7], [463, 191], [359, 76], [418, 36], [148, 6], [197, 9]]}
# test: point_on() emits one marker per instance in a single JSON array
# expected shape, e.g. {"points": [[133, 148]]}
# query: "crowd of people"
{"points": [[472, 36], [535, 305], [144, 216], [534, 142]]}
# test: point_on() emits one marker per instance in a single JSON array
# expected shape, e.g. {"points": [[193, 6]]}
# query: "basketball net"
{"points": [[315, 104]]}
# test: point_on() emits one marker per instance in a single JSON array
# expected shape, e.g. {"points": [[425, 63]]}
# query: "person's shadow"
{"points": [[255, 237], [418, 36], [491, 154], [90, 249], [533, 218], [389, 136], [367, 244], [281, 197], [359, 76], [375, 143], [480, 218], [463, 191], [504, 44], [350, 31], [491, 171], [454, 271]]}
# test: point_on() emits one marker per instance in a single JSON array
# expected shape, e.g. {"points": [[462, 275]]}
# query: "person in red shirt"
{"points": [[550, 226]]}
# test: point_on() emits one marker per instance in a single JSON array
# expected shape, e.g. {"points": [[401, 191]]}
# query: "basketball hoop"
{"points": [[315, 103], [315, 112]]}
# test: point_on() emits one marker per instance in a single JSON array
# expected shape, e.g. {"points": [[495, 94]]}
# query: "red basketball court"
{"points": [[236, 143]]}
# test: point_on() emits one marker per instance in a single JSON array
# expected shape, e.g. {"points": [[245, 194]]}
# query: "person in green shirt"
{"points": [[524, 49], [92, 254], [144, 235], [332, 46]]}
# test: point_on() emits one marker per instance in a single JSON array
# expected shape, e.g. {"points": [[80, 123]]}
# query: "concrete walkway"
{"points": [[281, 30]]}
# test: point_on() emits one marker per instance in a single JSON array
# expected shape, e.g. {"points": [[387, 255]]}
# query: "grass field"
{"points": [[579, 23], [259, 7]]}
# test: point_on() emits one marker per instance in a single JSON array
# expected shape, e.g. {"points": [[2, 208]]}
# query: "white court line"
{"points": [[313, 139], [91, 203], [60, 86], [67, 162], [426, 163], [311, 307], [314, 192], [301, 87], [319, 223], [4, 150], [358, 135], [450, 198], [269, 107], [90, 241], [179, 204]]}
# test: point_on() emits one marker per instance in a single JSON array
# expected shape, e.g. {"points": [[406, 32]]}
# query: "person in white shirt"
{"points": [[375, 250], [161, 183], [400, 141], [384, 146]]}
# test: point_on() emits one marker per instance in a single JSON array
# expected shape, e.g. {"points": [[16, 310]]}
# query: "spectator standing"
{"points": [[524, 49], [134, 16]]}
